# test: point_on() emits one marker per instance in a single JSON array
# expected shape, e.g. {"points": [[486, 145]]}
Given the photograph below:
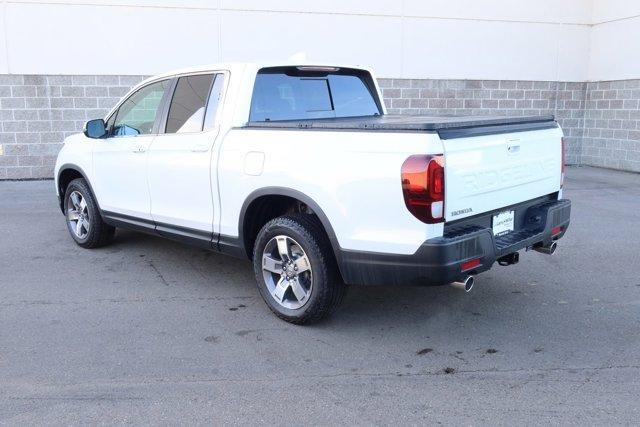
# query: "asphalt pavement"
{"points": [[148, 331]]}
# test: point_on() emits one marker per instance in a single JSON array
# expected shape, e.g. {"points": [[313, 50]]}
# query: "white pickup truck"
{"points": [[300, 169]]}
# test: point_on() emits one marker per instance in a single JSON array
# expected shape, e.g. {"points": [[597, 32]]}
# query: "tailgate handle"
{"points": [[513, 146], [199, 148]]}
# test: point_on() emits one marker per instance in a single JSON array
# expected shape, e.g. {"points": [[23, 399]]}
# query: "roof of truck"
{"points": [[231, 66]]}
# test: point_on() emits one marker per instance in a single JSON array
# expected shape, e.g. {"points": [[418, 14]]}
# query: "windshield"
{"points": [[294, 93]]}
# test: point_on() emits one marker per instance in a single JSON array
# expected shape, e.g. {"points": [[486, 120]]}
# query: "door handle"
{"points": [[199, 148]]}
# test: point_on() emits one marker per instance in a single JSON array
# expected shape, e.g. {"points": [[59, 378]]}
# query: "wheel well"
{"points": [[264, 209], [66, 176]]}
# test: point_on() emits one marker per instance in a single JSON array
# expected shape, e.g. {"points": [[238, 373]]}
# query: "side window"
{"points": [[187, 108], [138, 113], [214, 102]]}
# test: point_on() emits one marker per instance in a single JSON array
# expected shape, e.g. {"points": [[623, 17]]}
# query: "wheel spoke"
{"points": [[83, 204], [298, 290], [79, 228], [85, 224], [283, 248], [75, 200], [302, 264], [272, 265], [280, 289], [283, 261]]}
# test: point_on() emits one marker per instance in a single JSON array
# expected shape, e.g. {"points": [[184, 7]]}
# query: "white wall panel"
{"points": [[489, 39], [200, 4], [609, 10], [347, 39], [72, 39], [573, 53], [4, 66], [360, 7], [551, 11], [615, 50], [441, 48]]}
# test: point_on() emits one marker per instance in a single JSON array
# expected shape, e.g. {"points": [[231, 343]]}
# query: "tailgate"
{"points": [[488, 172]]}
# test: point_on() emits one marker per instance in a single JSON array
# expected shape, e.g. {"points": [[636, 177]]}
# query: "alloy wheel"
{"points": [[78, 215], [287, 272]]}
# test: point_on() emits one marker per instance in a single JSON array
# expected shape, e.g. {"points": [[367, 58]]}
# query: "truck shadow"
{"points": [[213, 275]]}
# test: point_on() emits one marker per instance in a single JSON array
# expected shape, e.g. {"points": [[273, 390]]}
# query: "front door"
{"points": [[120, 160]]}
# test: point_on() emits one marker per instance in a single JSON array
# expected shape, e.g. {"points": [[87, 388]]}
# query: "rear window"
{"points": [[295, 93]]}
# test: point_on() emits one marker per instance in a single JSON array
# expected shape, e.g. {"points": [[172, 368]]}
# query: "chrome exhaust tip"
{"points": [[548, 250], [465, 285]]}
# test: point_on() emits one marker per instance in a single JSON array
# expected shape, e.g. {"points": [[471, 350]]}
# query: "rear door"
{"points": [[179, 162], [485, 173]]}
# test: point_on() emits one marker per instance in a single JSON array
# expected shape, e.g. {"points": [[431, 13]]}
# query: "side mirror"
{"points": [[95, 128]]}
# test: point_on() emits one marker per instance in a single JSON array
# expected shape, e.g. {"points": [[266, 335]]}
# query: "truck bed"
{"points": [[447, 127]]}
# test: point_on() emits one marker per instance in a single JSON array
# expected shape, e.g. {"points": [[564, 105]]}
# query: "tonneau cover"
{"points": [[411, 123]]}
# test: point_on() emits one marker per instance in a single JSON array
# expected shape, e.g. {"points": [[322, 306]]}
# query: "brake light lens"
{"points": [[423, 187], [563, 144]]}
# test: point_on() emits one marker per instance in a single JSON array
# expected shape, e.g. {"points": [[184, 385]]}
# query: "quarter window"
{"points": [[187, 109], [137, 115]]}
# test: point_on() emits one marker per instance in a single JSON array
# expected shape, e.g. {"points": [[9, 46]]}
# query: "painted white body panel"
{"points": [[487, 172], [352, 176], [179, 170], [120, 171]]}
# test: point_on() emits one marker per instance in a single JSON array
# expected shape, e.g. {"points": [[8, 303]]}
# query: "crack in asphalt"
{"points": [[439, 373], [122, 301]]}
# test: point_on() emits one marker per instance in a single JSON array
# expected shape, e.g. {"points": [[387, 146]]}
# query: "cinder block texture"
{"points": [[600, 120], [38, 112], [490, 97], [612, 125]]}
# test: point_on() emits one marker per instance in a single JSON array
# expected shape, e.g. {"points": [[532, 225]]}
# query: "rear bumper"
{"points": [[438, 261]]}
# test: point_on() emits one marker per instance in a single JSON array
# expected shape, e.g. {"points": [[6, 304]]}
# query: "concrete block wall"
{"points": [[600, 120], [492, 97], [38, 112], [612, 125]]}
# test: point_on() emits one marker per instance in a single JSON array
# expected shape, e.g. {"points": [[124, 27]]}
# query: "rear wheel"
{"points": [[295, 269], [83, 216]]}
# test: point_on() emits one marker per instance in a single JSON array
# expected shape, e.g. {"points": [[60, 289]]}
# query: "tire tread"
{"points": [[331, 296]]}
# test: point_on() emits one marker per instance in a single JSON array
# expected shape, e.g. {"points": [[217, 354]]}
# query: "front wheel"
{"points": [[83, 216], [295, 269]]}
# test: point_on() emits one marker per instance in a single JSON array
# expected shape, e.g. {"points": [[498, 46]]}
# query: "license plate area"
{"points": [[502, 223]]}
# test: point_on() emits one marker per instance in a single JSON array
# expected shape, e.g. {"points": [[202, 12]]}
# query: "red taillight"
{"points": [[555, 231], [423, 187], [468, 265], [562, 165]]}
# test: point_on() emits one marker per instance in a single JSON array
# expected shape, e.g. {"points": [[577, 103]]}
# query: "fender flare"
{"points": [[289, 192], [71, 166]]}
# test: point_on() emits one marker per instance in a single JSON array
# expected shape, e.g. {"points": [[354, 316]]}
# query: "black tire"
{"points": [[99, 233], [327, 290]]}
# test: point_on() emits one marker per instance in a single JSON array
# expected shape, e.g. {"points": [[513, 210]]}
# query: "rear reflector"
{"points": [[423, 187], [468, 265], [556, 230]]}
